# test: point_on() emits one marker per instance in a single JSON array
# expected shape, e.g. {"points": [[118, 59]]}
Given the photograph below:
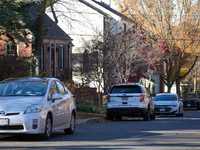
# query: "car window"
{"points": [[190, 96], [53, 90], [126, 89], [23, 88], [66, 90], [165, 98], [60, 88]]}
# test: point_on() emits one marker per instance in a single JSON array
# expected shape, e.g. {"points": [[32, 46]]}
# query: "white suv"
{"points": [[132, 100]]}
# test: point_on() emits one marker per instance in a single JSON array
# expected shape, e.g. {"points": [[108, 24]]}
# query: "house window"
{"points": [[61, 57], [10, 49]]}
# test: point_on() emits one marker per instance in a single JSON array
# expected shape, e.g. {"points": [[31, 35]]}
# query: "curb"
{"points": [[84, 121]]}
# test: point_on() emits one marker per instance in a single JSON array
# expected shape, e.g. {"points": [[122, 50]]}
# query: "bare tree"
{"points": [[114, 58], [173, 22]]}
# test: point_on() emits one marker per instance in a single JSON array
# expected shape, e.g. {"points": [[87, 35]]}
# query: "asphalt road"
{"points": [[166, 132]]}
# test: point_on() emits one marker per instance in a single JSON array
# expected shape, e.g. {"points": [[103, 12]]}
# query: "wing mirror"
{"points": [[56, 96]]}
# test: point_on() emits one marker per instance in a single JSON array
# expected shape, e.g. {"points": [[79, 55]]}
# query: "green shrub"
{"points": [[14, 67], [91, 109]]}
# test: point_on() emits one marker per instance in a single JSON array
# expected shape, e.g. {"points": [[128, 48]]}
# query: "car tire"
{"points": [[72, 125], [146, 116], [198, 108], [48, 128], [119, 117], [109, 116], [153, 116], [178, 115]]}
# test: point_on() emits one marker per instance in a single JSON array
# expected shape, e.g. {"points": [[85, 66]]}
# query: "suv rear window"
{"points": [[126, 89], [190, 96]]}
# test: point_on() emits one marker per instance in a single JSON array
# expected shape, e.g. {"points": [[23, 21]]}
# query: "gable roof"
{"points": [[55, 32], [93, 7], [104, 5]]}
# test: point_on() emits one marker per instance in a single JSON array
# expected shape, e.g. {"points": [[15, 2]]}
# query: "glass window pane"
{"points": [[53, 90], [60, 88]]}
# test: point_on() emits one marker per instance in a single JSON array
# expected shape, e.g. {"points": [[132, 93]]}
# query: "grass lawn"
{"points": [[85, 115]]}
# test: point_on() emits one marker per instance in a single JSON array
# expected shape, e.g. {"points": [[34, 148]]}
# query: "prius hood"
{"points": [[19, 101]]}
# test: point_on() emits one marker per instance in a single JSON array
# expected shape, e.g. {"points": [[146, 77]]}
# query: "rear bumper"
{"points": [[131, 111]]}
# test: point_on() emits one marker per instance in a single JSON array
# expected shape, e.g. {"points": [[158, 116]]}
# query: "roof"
{"points": [[112, 10], [55, 32], [166, 94], [29, 79], [93, 7], [127, 84]]}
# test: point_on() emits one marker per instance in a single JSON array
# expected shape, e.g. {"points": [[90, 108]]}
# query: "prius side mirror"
{"points": [[56, 96]]}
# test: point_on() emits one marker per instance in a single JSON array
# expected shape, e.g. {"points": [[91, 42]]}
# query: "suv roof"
{"points": [[123, 84]]}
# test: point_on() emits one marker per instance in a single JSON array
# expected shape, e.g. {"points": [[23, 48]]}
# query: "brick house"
{"points": [[55, 54]]}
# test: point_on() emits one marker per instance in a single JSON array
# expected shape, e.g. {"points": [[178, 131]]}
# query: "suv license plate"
{"points": [[124, 98], [3, 122]]}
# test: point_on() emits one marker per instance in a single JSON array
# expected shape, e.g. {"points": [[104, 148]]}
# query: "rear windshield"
{"points": [[190, 96], [126, 89], [165, 98]]}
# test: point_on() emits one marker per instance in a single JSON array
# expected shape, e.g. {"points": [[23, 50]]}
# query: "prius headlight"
{"points": [[34, 109]]}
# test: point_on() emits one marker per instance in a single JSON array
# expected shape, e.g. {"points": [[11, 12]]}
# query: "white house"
{"points": [[83, 19]]}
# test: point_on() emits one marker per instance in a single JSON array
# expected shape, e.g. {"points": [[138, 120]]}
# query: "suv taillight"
{"points": [[142, 98], [108, 98]]}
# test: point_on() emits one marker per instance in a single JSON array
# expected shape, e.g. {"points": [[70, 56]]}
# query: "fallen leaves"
{"points": [[99, 120]]}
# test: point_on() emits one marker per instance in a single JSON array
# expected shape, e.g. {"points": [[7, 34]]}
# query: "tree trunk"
{"points": [[99, 99], [40, 27], [178, 87]]}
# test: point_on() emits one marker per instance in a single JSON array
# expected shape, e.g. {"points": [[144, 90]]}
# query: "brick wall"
{"points": [[24, 51]]}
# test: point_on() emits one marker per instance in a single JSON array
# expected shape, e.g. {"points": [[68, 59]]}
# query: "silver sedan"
{"points": [[168, 104], [36, 106]]}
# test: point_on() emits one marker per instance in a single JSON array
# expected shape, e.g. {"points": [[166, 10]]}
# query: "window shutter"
{"points": [[44, 60], [5, 49], [64, 53], [59, 58], [17, 50]]}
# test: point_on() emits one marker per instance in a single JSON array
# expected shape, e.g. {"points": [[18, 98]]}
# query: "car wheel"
{"points": [[109, 116], [198, 108], [72, 125], [153, 116], [178, 115], [146, 116], [119, 117], [48, 128]]}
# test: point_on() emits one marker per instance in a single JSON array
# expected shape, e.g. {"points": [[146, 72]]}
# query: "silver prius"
{"points": [[36, 106]]}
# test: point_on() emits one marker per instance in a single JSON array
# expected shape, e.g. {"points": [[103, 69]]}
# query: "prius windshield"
{"points": [[165, 98], [23, 88]]}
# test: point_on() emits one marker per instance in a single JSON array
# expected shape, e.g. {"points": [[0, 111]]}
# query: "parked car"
{"points": [[191, 100], [36, 106], [168, 104], [132, 100]]}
